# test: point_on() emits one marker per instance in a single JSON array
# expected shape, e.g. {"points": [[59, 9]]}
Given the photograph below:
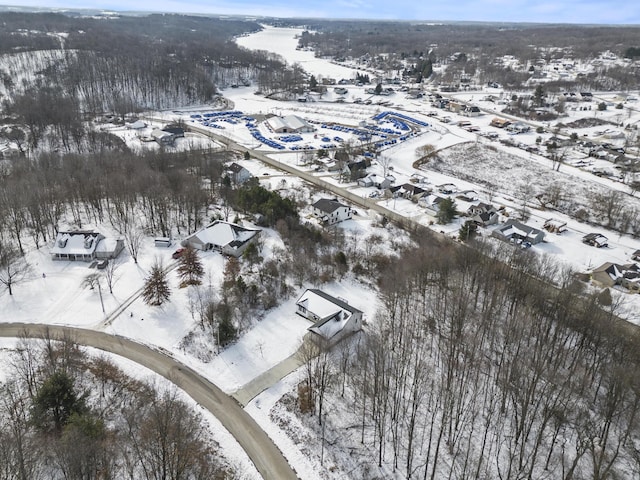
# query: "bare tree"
{"points": [[14, 268], [110, 272]]}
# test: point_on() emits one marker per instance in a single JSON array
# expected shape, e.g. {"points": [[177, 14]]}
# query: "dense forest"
{"points": [[472, 48], [476, 368], [58, 71]]}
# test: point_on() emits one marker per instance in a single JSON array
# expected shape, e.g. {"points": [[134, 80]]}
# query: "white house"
{"points": [[378, 181], [331, 211], [237, 173], [224, 237], [85, 245], [334, 319]]}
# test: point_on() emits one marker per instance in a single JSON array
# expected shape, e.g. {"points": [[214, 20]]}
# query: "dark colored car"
{"points": [[177, 253]]}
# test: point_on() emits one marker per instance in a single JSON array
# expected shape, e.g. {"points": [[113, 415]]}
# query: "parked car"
{"points": [[102, 264], [177, 254]]}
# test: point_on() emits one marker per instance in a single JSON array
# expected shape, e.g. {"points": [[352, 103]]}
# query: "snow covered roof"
{"points": [[290, 123], [513, 228], [137, 125], [332, 312], [224, 233], [80, 242]]}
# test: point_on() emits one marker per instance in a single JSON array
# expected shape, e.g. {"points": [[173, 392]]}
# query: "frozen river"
{"points": [[283, 42]]}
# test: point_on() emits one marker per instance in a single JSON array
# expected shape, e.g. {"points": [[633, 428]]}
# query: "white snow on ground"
{"points": [[283, 41], [60, 296]]}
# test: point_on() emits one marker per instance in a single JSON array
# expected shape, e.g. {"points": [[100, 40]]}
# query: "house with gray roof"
{"points": [[334, 319], [610, 274], [516, 232], [224, 237], [330, 211]]}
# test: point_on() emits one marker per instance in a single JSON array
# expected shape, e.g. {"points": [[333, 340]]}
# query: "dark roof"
{"points": [[486, 216], [174, 130], [593, 236], [328, 205], [235, 168], [342, 304]]}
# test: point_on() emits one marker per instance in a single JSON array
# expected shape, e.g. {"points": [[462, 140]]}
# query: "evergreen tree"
{"points": [[190, 269], [313, 83], [468, 230], [227, 332], [55, 402], [538, 96], [156, 287], [446, 211], [378, 89]]}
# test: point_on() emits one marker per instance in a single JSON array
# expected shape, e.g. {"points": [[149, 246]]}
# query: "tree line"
{"points": [[472, 49], [120, 65], [475, 367]]}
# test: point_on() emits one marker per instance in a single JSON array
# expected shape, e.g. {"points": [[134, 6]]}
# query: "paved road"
{"points": [[308, 177], [267, 458]]}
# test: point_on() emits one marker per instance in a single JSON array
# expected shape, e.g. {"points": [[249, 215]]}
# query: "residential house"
{"points": [[357, 169], [500, 122], [237, 173], [610, 274], [516, 232], [409, 191], [365, 181], [334, 319], [176, 131], [331, 211], [431, 204], [480, 208], [163, 138], [595, 240], [85, 246], [555, 226], [224, 237], [378, 181], [485, 219], [471, 111], [137, 125]]}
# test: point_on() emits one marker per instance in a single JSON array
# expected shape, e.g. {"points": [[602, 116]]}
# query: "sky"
{"points": [[544, 11]]}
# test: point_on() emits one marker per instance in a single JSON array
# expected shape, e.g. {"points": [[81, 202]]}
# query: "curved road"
{"points": [[267, 458]]}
